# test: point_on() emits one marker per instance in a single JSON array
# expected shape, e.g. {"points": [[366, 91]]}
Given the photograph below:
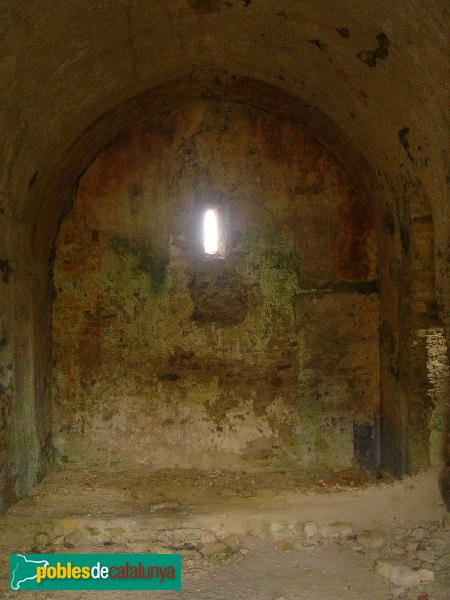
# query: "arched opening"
{"points": [[184, 393], [277, 362], [374, 438], [266, 359]]}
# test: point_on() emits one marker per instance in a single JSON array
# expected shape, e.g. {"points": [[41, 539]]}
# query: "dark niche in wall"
{"points": [[218, 293], [367, 444]]}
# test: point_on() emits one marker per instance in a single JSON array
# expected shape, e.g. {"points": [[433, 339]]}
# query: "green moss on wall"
{"points": [[267, 244], [273, 259], [196, 352], [145, 259]]}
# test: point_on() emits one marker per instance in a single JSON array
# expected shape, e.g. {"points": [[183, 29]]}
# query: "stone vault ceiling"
{"points": [[376, 68]]}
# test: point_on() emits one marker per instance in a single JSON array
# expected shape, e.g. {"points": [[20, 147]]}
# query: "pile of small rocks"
{"points": [[413, 556], [198, 545], [406, 557]]}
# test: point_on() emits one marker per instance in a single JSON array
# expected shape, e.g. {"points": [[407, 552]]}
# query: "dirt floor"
{"points": [[275, 535], [138, 490], [265, 573]]}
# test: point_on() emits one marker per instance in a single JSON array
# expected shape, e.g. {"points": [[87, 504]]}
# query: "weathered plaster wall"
{"points": [[268, 355], [25, 423], [76, 73]]}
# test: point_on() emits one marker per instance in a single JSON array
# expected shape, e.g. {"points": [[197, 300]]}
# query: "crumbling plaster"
{"points": [[265, 355], [65, 66]]}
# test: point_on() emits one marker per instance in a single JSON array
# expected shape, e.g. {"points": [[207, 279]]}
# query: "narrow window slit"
{"points": [[211, 231]]}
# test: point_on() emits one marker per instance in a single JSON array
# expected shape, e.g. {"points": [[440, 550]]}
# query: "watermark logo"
{"points": [[95, 572]]}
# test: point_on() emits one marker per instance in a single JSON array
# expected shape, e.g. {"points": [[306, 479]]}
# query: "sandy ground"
{"points": [[253, 505], [268, 573], [264, 574]]}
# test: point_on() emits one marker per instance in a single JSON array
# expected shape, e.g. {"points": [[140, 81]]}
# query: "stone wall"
{"points": [[266, 356], [25, 355], [75, 74]]}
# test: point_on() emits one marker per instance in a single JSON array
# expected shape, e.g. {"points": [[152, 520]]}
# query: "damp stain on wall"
{"points": [[263, 356]]}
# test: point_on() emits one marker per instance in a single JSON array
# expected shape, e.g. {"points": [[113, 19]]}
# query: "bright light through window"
{"points": [[211, 232]]}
